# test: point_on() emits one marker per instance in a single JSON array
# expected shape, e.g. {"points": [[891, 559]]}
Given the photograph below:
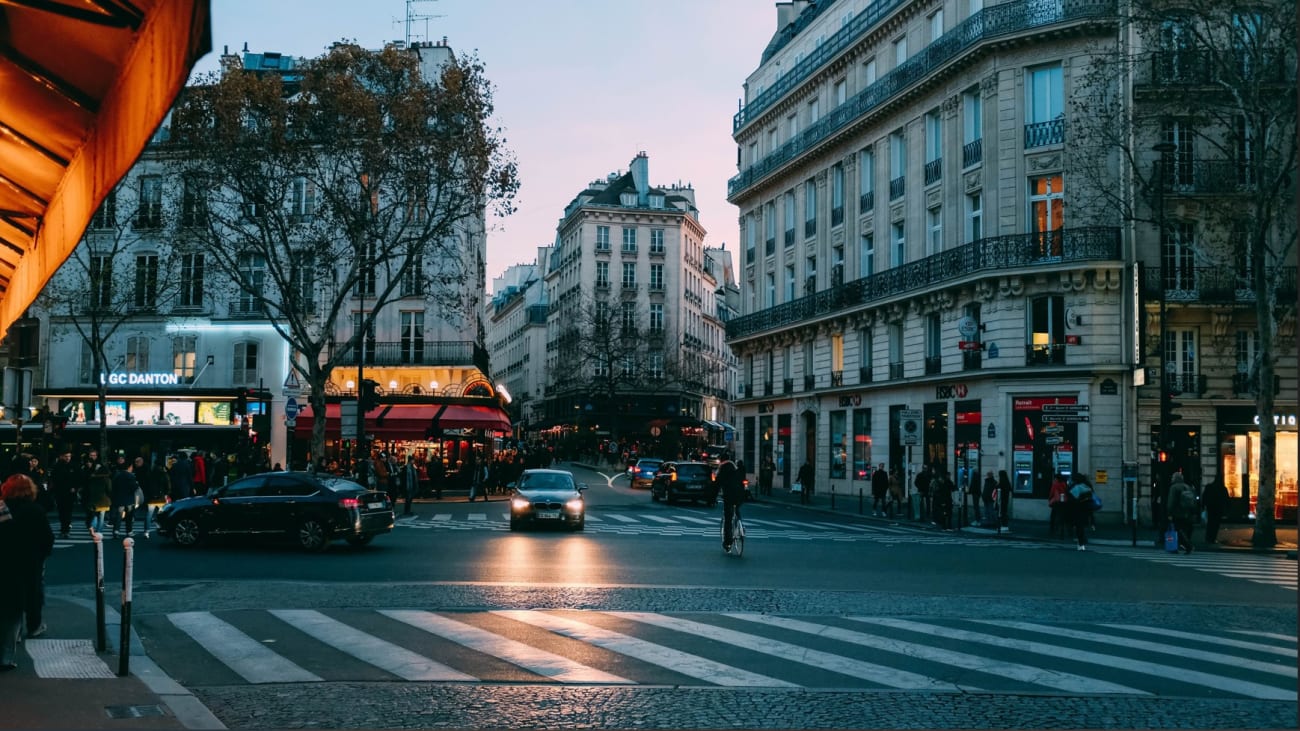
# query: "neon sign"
{"points": [[140, 379]]}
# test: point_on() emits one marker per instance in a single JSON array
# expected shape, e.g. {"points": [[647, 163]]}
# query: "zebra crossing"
{"points": [[1270, 569], [722, 649]]}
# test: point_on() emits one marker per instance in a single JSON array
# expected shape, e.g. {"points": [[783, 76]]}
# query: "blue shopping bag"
{"points": [[1171, 539]]}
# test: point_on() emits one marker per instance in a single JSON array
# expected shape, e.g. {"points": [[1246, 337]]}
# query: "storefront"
{"points": [[1239, 445], [1044, 438]]}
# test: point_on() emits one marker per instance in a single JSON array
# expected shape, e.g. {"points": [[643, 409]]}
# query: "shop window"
{"points": [[839, 450], [1046, 331]]}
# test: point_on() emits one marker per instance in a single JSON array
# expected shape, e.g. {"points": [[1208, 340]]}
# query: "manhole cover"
{"points": [[134, 711]]}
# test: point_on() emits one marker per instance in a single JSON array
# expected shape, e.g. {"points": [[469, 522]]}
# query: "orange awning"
{"points": [[83, 86]]}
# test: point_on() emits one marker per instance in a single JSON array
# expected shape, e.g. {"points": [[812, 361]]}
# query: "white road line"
{"points": [[1269, 635], [1161, 647], [665, 657], [658, 519], [250, 659], [366, 647], [846, 526], [1226, 641], [756, 521], [478, 516], [1015, 671], [441, 517], [623, 518], [1157, 670], [591, 518], [879, 674], [532, 659], [698, 521]]}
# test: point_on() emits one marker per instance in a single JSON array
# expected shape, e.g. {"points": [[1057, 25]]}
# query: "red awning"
{"points": [[410, 421]]}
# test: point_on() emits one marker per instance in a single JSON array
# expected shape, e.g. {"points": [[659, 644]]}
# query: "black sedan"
{"points": [[548, 497], [309, 509], [685, 481]]}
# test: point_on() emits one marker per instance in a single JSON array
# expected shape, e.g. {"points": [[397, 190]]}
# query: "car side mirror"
{"points": [[582, 486]]}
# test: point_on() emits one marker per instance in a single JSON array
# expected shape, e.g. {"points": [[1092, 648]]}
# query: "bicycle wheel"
{"points": [[737, 536]]}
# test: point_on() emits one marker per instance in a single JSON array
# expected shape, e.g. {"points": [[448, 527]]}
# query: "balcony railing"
{"points": [[864, 374], [1208, 176], [1041, 355], [1248, 384], [867, 201], [837, 216], [1039, 134], [1187, 67], [837, 378], [787, 386], [767, 388], [933, 170], [1212, 285], [994, 253], [789, 237], [971, 360], [933, 364], [895, 370], [972, 153], [1187, 384], [896, 188], [769, 247], [412, 353], [992, 22], [809, 382]]}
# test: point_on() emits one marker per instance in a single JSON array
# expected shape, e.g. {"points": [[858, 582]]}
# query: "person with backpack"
{"points": [[1078, 506], [1183, 505]]}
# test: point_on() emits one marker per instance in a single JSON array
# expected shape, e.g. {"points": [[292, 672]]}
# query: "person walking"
{"points": [[941, 502], [879, 491], [922, 485], [1004, 498], [989, 496], [181, 477], [766, 471], [25, 542], [125, 488], [64, 479], [896, 493], [1078, 506], [1215, 503], [1182, 505], [97, 498], [805, 478], [410, 482], [1056, 498], [155, 486]]}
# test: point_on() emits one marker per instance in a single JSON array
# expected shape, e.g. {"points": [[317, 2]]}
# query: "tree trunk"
{"points": [[1265, 534], [316, 380]]}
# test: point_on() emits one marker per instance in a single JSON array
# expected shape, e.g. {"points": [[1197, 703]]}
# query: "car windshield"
{"points": [[692, 471], [545, 481], [649, 464]]}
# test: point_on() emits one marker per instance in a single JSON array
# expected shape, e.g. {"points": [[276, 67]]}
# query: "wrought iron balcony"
{"points": [[933, 170], [990, 23], [1187, 384], [994, 253], [1212, 285], [413, 353], [809, 228], [897, 187], [971, 360], [864, 374], [1188, 67], [867, 201], [972, 153], [1042, 355], [837, 378], [933, 364], [1039, 134], [1208, 176], [787, 386], [895, 370], [767, 388], [837, 216], [809, 382]]}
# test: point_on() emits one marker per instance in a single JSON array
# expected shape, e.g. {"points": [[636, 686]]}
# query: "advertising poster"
{"points": [[218, 413]]}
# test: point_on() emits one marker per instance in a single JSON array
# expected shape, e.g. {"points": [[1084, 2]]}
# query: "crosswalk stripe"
{"points": [[370, 649], [441, 517], [764, 521], [1226, 641], [1015, 671], [622, 518], [478, 516], [247, 657], [699, 521], [649, 652], [532, 659], [879, 674], [1129, 642], [591, 518], [1267, 635], [1194, 677], [846, 526], [659, 519]]}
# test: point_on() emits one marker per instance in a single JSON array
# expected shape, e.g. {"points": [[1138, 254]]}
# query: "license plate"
{"points": [[374, 506], [548, 515]]}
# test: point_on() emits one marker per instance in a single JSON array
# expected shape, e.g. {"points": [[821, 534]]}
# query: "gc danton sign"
{"points": [[140, 379]]}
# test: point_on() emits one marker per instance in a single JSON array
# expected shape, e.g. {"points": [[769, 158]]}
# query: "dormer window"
{"points": [[627, 199], [656, 201]]}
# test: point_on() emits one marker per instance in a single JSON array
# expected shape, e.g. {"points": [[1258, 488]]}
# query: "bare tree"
{"points": [[113, 278], [363, 175], [1215, 83]]}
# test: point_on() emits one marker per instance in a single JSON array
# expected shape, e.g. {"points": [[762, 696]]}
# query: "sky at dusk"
{"points": [[580, 87]]}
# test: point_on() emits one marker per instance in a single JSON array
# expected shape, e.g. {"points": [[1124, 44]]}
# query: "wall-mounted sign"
{"points": [[140, 379], [955, 390], [1280, 420], [967, 326], [854, 400], [909, 421], [1109, 387]]}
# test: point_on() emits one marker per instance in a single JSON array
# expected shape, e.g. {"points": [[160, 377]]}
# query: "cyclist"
{"points": [[731, 485]]}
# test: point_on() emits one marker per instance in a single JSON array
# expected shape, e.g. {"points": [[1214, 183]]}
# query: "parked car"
{"points": [[643, 473], [685, 481], [312, 510], [548, 497]]}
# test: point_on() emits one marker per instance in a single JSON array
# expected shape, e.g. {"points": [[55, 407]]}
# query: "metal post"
{"points": [[1133, 502], [124, 650], [101, 628], [832, 496], [1164, 148], [859, 501]]}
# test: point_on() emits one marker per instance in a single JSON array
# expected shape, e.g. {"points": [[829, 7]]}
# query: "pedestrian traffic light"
{"points": [[241, 403], [1162, 456], [368, 399], [1169, 410]]}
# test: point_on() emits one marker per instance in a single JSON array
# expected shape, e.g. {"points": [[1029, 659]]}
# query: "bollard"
{"points": [[124, 653], [101, 629], [859, 501], [832, 496]]}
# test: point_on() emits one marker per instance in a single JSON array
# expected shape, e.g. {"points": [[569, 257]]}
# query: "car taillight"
{"points": [[349, 503]]}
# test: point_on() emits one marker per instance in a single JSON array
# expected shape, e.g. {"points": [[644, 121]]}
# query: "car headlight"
{"points": [[574, 505], [520, 503]]}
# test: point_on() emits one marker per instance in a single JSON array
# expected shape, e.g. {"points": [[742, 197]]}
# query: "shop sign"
{"points": [[854, 400], [1100, 477], [1280, 420], [954, 390], [140, 379]]}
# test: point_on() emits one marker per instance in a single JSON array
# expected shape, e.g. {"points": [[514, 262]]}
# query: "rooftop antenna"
{"points": [[412, 16]]}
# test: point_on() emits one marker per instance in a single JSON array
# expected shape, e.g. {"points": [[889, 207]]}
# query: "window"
{"points": [[252, 274], [657, 317], [627, 316], [629, 239], [85, 364], [814, 111], [149, 214], [656, 241], [656, 276], [897, 163], [769, 227], [866, 255], [1178, 247], [657, 367], [1047, 330], [602, 238], [772, 144], [810, 275], [789, 218], [936, 25], [751, 238], [601, 369], [837, 194], [789, 283], [974, 6], [933, 146], [895, 350], [866, 180], [1245, 147], [413, 279], [629, 274], [839, 445], [808, 358], [302, 281], [146, 281], [412, 336], [900, 51], [771, 289], [869, 72], [1047, 213], [841, 92], [787, 363], [899, 253], [972, 128], [1177, 168], [837, 352], [366, 278], [1247, 37], [866, 344], [1046, 94], [101, 282], [602, 274], [792, 126], [1247, 361], [106, 215], [1180, 354], [302, 200], [367, 346], [137, 354], [184, 357], [933, 344], [974, 217], [810, 208], [933, 231], [194, 202]]}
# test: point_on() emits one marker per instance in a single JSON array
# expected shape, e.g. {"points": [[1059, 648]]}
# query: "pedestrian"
{"points": [[1078, 503], [436, 473], [25, 542], [879, 491], [896, 492], [990, 498], [199, 477], [181, 477], [1056, 503], [155, 485], [64, 480], [731, 485], [941, 488], [97, 498], [922, 485], [126, 497], [1182, 505], [1004, 498], [766, 471], [1215, 503], [805, 478], [410, 480]]}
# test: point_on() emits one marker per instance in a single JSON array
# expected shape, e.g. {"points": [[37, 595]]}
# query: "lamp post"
{"points": [[1164, 148]]}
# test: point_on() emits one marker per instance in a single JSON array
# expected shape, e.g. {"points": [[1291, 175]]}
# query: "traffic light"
{"points": [[368, 399], [241, 403], [1162, 456], [1169, 410]]}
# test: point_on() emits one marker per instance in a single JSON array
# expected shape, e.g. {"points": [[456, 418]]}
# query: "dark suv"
{"points": [[685, 481], [310, 509]]}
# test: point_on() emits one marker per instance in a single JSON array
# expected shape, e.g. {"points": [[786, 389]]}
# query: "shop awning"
{"points": [[83, 86], [715, 426], [725, 426], [411, 421]]}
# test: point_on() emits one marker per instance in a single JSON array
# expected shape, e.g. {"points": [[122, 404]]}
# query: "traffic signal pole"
{"points": [[1166, 378]]}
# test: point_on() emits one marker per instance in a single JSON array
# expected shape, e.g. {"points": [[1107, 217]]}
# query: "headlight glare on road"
{"points": [[574, 505], [520, 503]]}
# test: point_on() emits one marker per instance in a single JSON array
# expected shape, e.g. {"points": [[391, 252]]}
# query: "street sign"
{"points": [[1070, 418], [291, 408], [969, 345], [1066, 408], [1053, 441], [290, 423], [909, 421], [291, 380], [967, 326], [1053, 429]]}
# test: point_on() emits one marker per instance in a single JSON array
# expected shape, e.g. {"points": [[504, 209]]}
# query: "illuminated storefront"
{"points": [[1239, 445]]}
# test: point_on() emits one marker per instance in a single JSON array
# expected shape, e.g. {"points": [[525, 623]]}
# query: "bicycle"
{"points": [[737, 535]]}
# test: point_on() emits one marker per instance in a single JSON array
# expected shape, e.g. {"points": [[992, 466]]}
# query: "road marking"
{"points": [[248, 658], [1159, 670], [532, 659], [1266, 635], [1015, 671], [477, 516], [370, 649], [622, 518], [699, 521], [665, 657], [879, 674], [659, 519], [441, 517], [846, 526], [591, 518], [1226, 641]]}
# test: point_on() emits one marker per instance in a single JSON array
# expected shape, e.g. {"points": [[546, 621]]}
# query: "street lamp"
{"points": [[1166, 380]]}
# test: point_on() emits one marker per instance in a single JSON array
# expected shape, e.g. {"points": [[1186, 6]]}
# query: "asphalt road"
{"points": [[822, 594]]}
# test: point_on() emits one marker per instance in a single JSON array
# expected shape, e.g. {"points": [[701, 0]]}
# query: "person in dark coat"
{"points": [[879, 491], [1004, 497], [64, 482], [25, 542], [989, 496], [806, 479], [124, 503], [731, 486], [941, 488], [922, 485], [181, 477], [1215, 502], [766, 471], [1181, 504]]}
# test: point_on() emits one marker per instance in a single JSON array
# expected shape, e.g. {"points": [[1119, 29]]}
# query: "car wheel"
{"points": [[514, 524], [359, 540], [313, 535], [187, 532]]}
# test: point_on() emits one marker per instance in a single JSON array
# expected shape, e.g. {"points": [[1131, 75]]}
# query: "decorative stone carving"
{"points": [[897, 213], [973, 180], [989, 85], [1107, 280], [1010, 286], [1220, 322], [895, 312], [1074, 281], [950, 106], [984, 290], [1041, 163], [1153, 332], [934, 198]]}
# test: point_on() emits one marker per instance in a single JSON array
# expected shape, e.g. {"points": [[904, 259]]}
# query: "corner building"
{"points": [[915, 246]]}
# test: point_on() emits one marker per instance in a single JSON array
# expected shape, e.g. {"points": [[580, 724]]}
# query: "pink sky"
{"points": [[581, 86]]}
